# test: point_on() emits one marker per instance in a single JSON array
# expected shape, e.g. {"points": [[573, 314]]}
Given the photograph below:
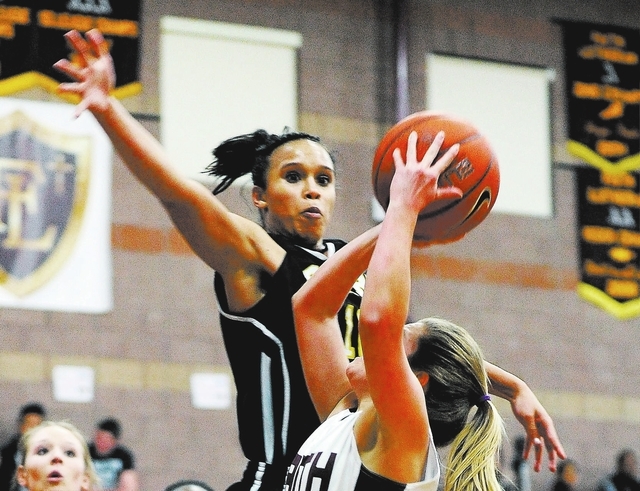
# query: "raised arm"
{"points": [[315, 309], [537, 423], [225, 241], [396, 392]]}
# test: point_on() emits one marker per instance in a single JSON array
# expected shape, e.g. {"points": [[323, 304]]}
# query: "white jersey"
{"points": [[329, 461]]}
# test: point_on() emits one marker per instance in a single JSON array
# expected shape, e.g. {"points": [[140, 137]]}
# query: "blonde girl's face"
{"points": [[54, 460]]}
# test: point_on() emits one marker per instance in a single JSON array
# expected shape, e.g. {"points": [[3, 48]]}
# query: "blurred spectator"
{"points": [[567, 476], [521, 468], [506, 483], [114, 463], [30, 415], [625, 476]]}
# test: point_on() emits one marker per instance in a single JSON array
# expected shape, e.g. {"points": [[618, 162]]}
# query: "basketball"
{"points": [[474, 171]]}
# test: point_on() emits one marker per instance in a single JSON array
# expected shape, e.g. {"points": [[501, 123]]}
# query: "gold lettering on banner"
{"points": [[618, 98], [599, 131], [611, 148], [608, 47], [621, 180], [10, 17], [609, 196], [594, 234], [629, 238], [629, 272], [109, 27], [599, 235], [621, 288]]}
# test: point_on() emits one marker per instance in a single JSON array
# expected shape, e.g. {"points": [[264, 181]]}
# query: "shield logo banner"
{"points": [[44, 179]]}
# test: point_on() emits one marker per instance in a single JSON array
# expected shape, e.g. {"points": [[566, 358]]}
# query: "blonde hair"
{"points": [[457, 384], [89, 468]]}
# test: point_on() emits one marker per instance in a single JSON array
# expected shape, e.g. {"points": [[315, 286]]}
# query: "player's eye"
{"points": [[70, 453], [292, 176], [324, 179], [41, 450]]}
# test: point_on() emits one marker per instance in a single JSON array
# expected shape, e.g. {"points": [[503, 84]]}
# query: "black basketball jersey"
{"points": [[275, 412]]}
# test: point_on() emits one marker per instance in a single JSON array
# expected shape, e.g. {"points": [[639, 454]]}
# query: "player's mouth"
{"points": [[54, 476], [312, 212]]}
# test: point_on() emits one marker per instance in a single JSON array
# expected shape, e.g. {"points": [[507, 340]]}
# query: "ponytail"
{"points": [[248, 153], [457, 383], [474, 452]]}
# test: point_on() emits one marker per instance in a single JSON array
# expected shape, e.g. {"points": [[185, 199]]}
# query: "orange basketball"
{"points": [[475, 171]]}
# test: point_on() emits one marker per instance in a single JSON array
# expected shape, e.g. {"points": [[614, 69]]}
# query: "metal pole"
{"points": [[401, 28]]}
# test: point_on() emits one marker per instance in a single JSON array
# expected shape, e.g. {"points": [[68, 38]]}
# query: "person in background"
{"points": [[520, 465], [567, 476], [30, 416], [55, 456], [625, 477], [114, 462]]}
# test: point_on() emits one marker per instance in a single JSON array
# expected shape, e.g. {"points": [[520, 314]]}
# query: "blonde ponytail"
{"points": [[474, 452], [457, 388]]}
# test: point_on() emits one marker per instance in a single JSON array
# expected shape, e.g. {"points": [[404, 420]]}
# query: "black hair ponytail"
{"points": [[248, 153]]}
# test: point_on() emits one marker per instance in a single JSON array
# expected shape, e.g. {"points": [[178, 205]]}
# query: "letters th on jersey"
{"points": [[44, 179]]}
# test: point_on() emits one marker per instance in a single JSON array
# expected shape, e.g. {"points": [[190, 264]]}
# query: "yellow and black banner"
{"points": [[609, 238], [31, 41], [603, 94]]}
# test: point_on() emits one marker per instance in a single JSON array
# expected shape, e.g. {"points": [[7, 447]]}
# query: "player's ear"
{"points": [[423, 378], [257, 196], [21, 476]]}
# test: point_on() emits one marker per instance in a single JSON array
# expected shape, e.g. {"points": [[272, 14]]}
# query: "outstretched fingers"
{"points": [[68, 68], [98, 44], [541, 436], [432, 152]]}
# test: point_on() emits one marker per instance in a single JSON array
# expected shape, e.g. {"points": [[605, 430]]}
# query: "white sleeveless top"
{"points": [[329, 460]]}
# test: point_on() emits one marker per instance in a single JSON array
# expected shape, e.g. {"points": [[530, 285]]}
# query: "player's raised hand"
{"points": [[91, 67], [416, 180]]}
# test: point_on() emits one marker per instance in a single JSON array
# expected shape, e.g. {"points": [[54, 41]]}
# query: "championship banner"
{"points": [[31, 41], [55, 209], [609, 237], [603, 95]]}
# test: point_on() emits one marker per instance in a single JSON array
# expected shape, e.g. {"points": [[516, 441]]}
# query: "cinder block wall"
{"points": [[511, 282]]}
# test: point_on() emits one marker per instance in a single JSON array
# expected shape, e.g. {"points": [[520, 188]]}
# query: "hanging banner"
{"points": [[602, 72], [31, 41], [55, 209], [609, 214]]}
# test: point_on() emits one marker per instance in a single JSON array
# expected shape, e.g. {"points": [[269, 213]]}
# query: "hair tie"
{"points": [[484, 398]]}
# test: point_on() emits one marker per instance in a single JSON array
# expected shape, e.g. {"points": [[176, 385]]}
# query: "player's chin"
{"points": [[312, 230]]}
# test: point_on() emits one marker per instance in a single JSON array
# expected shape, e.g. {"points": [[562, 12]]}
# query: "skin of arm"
{"points": [[128, 481], [239, 249], [402, 423], [530, 413], [317, 325]]}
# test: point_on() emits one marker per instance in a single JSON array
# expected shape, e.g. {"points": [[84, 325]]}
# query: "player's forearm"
{"points": [[140, 150], [389, 274], [128, 481], [502, 383]]}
